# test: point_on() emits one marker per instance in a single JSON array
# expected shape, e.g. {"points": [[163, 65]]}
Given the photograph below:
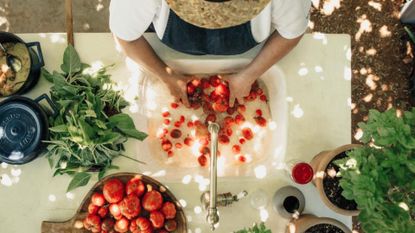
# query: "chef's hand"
{"points": [[239, 86], [177, 84]]}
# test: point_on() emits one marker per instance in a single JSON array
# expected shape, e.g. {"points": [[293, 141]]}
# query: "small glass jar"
{"points": [[299, 171]]}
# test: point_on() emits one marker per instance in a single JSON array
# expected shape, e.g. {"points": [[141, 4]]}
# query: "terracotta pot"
{"points": [[319, 164], [307, 221]]}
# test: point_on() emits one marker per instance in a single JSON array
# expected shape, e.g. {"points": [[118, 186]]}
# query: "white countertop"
{"points": [[318, 79]]}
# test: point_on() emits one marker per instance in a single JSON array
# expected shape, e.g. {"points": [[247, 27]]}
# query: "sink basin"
{"points": [[152, 94]]}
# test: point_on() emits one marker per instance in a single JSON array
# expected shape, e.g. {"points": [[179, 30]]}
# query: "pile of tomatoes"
{"points": [[131, 207], [212, 96]]}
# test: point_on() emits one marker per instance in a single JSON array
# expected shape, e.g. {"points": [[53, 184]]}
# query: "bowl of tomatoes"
{"points": [[126, 202]]}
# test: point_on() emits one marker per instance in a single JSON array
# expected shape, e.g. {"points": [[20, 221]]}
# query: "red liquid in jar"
{"points": [[302, 173]]}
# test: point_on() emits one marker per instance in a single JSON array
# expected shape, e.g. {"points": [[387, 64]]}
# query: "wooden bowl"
{"points": [[74, 225]]}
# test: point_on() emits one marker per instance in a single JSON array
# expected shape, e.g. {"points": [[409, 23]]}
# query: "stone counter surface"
{"points": [[318, 79]]}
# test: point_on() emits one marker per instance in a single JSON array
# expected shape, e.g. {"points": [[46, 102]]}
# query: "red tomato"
{"points": [[157, 219], [241, 109], [143, 224], [165, 114], [177, 124], [260, 121], [222, 90], [122, 225], [190, 124], [113, 190], [258, 112], [176, 133], [166, 122], [170, 153], [169, 210], [152, 200], [108, 224], [174, 105], [188, 141], [103, 211], [236, 149], [220, 106], [202, 160], [130, 206], [182, 119], [92, 209], [170, 225], [178, 145], [166, 145], [242, 158], [263, 98], [135, 186], [98, 199], [247, 133], [242, 140], [115, 211], [239, 119], [223, 139], [228, 121], [231, 110], [210, 118], [214, 80], [229, 132], [93, 223]]}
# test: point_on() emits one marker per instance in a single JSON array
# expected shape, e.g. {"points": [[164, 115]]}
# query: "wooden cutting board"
{"points": [[74, 225]]}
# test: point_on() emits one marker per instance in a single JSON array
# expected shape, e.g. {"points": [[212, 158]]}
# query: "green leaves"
{"points": [[261, 228], [384, 175], [71, 61], [80, 179], [125, 124], [83, 139]]}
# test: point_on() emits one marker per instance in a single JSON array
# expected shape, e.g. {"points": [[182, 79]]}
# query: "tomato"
{"points": [[165, 114], [93, 223], [241, 109], [133, 226], [162, 132], [263, 98], [229, 132], [182, 119], [135, 186], [130, 206], [103, 211], [242, 140], [113, 190], [178, 145], [220, 106], [231, 110], [260, 121], [152, 200], [169, 210], [205, 83], [122, 225], [174, 105], [202, 160], [188, 141], [258, 112], [228, 121], [247, 133], [223, 139], [177, 124], [157, 219], [239, 119], [170, 153], [108, 224], [210, 118], [222, 90], [176, 133], [166, 121], [242, 159], [170, 225], [143, 224], [236, 149], [115, 211], [166, 145], [98, 199], [190, 124], [92, 209], [214, 80]]}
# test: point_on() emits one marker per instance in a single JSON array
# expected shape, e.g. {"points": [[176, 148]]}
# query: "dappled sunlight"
{"points": [[52, 197], [375, 5], [57, 38], [320, 36], [371, 81], [358, 134], [365, 26], [384, 32], [10, 174], [297, 112], [263, 214], [260, 172], [371, 52], [99, 6], [70, 195], [347, 73], [329, 6], [404, 206], [368, 97], [303, 71]]}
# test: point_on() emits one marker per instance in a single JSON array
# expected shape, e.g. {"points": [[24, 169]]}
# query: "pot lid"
{"points": [[21, 130]]}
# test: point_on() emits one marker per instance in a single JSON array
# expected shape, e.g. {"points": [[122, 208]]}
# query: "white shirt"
{"points": [[129, 19]]}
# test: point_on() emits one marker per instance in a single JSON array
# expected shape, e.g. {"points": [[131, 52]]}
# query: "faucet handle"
{"points": [[226, 199]]}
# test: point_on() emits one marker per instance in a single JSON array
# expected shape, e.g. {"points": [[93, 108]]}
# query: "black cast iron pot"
{"points": [[23, 128], [36, 60]]}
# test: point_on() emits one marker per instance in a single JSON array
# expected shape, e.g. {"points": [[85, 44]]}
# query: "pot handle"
{"points": [[52, 105], [41, 62]]}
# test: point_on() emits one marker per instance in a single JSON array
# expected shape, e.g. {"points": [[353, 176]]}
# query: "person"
{"points": [[217, 27]]}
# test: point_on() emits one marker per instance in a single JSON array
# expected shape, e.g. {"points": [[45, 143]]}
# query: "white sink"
{"points": [[148, 90]]}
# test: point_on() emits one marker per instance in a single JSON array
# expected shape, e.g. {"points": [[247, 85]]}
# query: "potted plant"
{"points": [[327, 180], [311, 224], [380, 175]]}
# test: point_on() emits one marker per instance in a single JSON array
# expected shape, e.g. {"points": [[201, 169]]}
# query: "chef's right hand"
{"points": [[177, 84]]}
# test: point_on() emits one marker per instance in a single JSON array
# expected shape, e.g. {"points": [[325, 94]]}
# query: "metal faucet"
{"points": [[210, 199]]}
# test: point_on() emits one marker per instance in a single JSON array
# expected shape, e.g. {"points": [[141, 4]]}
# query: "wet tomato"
{"points": [[113, 190], [152, 200]]}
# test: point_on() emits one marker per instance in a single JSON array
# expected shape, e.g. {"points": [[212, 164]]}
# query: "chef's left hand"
{"points": [[239, 86]]}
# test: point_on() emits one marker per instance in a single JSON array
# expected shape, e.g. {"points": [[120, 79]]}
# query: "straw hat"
{"points": [[215, 14]]}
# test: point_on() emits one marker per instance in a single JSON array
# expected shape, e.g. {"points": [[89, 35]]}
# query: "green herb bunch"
{"points": [[380, 175], [256, 228], [89, 130]]}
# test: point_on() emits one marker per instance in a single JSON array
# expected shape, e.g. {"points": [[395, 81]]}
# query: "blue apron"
{"points": [[190, 39]]}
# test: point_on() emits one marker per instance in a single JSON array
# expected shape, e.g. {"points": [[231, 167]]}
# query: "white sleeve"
{"points": [[290, 17], [129, 19]]}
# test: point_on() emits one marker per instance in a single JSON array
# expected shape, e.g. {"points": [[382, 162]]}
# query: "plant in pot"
{"points": [[308, 223], [380, 175], [327, 180]]}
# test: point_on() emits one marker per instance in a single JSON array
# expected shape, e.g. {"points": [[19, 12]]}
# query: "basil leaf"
{"points": [[71, 61], [46, 75], [80, 179], [126, 125]]}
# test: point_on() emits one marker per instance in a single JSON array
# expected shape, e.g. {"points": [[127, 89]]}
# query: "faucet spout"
{"points": [[213, 217]]}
